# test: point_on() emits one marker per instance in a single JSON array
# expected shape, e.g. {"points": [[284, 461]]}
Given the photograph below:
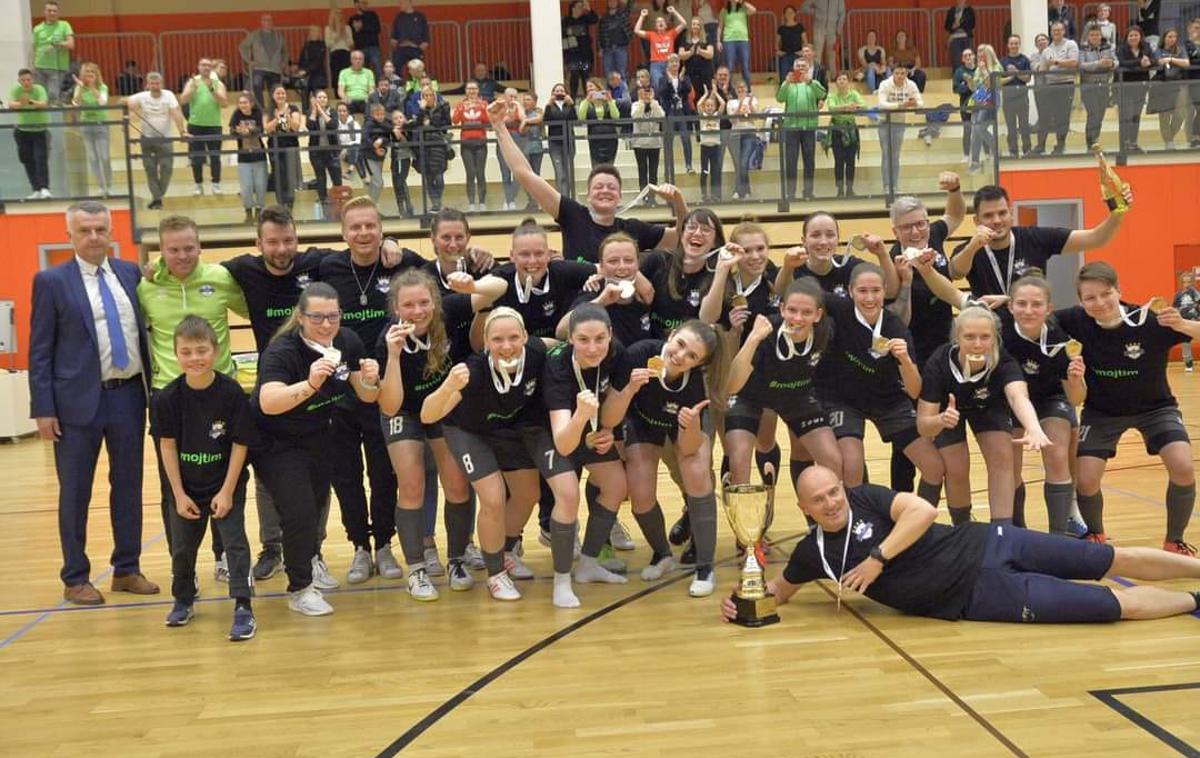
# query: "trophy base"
{"points": [[755, 613]]}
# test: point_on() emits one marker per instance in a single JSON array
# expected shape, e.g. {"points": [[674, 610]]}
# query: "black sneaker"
{"points": [[269, 563], [688, 558], [681, 530]]}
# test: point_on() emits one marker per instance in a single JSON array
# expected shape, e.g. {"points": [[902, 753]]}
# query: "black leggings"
{"points": [[474, 158], [647, 165], [844, 157], [355, 432], [284, 183], [400, 167], [203, 145], [298, 479], [712, 158], [325, 162]]}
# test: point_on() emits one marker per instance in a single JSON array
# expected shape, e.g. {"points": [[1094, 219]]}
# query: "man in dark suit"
{"points": [[87, 383]]}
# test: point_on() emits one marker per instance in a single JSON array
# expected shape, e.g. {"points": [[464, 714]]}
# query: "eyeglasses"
{"points": [[916, 226], [692, 228], [324, 318]]}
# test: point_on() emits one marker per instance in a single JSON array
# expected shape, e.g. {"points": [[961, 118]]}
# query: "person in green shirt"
{"points": [[355, 83], [53, 41], [204, 94], [733, 36], [801, 97], [843, 132], [33, 147], [91, 93]]}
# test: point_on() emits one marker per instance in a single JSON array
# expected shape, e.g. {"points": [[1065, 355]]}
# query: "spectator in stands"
{"points": [[577, 42], [413, 100], [470, 115], [401, 163], [615, 35], [896, 93], [389, 73], [702, 11], [801, 97], [657, 8], [1108, 30], [204, 94], [712, 152], [314, 62], [721, 85], [1060, 12], [872, 61], [598, 110], [129, 82], [827, 19], [698, 54], [675, 96], [1097, 60], [789, 38], [91, 94], [384, 95], [236, 82], [349, 135], [339, 42], [432, 121], [620, 93], [960, 25], [418, 78], [264, 54], [1148, 12], [33, 145], [1193, 50], [1056, 64], [246, 128], [376, 139], [1136, 59], [365, 28], [355, 83], [647, 141], [560, 115], [488, 86], [964, 86], [820, 74], [514, 115], [908, 57], [662, 41], [532, 131], [983, 103], [744, 106], [1169, 94], [843, 132], [1014, 98], [323, 147], [410, 35], [283, 139], [733, 30], [53, 41], [155, 110]]}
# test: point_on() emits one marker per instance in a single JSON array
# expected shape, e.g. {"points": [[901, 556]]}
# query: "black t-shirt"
{"points": [[564, 280], [762, 300], [931, 316], [560, 387], [781, 383], [288, 360], [938, 382], [284, 138], [1034, 245], [483, 408], [363, 290], [205, 425], [1043, 373], [791, 38], [669, 312], [413, 360], [851, 373], [836, 281], [456, 311], [933, 577], [582, 235], [1126, 367], [655, 405], [630, 321], [270, 297]]}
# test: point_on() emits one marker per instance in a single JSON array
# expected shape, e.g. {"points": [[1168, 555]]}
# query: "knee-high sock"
{"points": [[1018, 515], [654, 529], [772, 457], [1091, 507], [703, 512], [796, 468], [494, 563], [410, 527], [429, 505], [562, 545], [545, 505], [929, 492], [903, 471], [960, 515], [1180, 501], [1058, 505], [457, 517], [599, 525]]}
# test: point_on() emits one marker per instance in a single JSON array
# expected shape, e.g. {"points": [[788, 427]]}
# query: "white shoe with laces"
{"points": [[420, 588], [433, 565], [472, 558], [703, 585], [322, 579], [501, 587], [360, 567], [656, 571], [619, 537], [516, 567], [386, 565], [460, 579], [198, 190], [216, 188], [309, 602]]}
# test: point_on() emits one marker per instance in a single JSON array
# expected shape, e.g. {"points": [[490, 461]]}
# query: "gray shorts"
{"points": [[1053, 407], [480, 455], [407, 427], [982, 420], [801, 416], [897, 425], [1099, 432]]}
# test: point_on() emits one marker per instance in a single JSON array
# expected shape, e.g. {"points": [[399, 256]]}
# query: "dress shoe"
{"points": [[83, 594], [134, 583]]}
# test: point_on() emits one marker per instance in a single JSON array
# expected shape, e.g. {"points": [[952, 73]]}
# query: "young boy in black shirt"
{"points": [[202, 418]]}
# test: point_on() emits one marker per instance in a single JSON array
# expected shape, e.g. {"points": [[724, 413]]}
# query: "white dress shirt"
{"points": [[125, 311]]}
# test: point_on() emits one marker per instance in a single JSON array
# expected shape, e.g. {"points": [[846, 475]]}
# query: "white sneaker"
{"points": [[589, 570], [35, 195], [564, 594], [619, 537], [433, 565], [309, 602], [360, 567], [216, 189], [470, 207], [322, 579], [516, 567], [460, 579], [45, 193], [656, 571], [472, 558], [198, 190], [543, 538], [703, 586], [221, 570], [420, 588], [386, 565], [501, 587]]}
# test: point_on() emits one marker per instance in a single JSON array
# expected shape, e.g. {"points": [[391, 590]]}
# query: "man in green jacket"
{"points": [[801, 97], [53, 41]]}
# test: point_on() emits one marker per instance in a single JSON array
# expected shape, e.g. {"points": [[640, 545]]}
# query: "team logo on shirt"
{"points": [[382, 285], [1020, 266], [839, 290], [733, 400], [981, 394], [1031, 367], [207, 290], [863, 530], [548, 307], [530, 387], [342, 372], [217, 431], [694, 298], [1133, 350], [815, 358], [303, 280], [671, 409], [773, 301], [646, 323], [939, 259]]}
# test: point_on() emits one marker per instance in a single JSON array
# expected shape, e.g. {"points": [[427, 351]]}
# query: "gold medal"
{"points": [[858, 242], [1074, 348], [656, 366], [880, 344], [590, 440], [739, 301], [1158, 304]]}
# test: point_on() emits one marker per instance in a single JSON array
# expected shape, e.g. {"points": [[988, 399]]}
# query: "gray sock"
{"points": [[1058, 505], [929, 492], [599, 526], [562, 546], [654, 529], [494, 563], [1091, 507], [457, 517], [1180, 501], [410, 525], [703, 512], [960, 516], [1003, 521]]}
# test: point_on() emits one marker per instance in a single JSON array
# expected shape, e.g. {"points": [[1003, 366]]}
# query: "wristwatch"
{"points": [[877, 554]]}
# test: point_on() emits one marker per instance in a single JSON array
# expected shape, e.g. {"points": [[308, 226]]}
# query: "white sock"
{"points": [[588, 569], [564, 595]]}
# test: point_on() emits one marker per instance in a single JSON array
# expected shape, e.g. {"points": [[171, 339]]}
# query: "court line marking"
{"points": [[1111, 699], [941, 686], [443, 710]]}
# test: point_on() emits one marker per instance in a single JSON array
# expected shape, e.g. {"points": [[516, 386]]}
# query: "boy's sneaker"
{"points": [[1179, 547], [609, 560], [1076, 528], [501, 587], [309, 602], [321, 578], [360, 566], [472, 558], [681, 530], [385, 564], [433, 565], [268, 564], [687, 559], [460, 579], [221, 570], [180, 614], [516, 567], [244, 625], [704, 583], [420, 588]]}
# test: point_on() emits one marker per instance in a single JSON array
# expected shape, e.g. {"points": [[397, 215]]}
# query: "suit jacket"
{"points": [[64, 358]]}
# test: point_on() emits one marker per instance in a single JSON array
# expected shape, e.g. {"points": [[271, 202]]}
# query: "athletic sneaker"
{"points": [[244, 625], [216, 188], [516, 567], [321, 578], [519, 547], [460, 579], [420, 588], [619, 537], [268, 564], [1179, 547], [704, 584], [589, 570], [360, 566], [544, 538], [501, 587], [433, 565], [1097, 537], [472, 558], [309, 602], [687, 559], [681, 530], [198, 190], [221, 570], [385, 564], [180, 614], [1076, 528], [609, 560], [658, 569]]}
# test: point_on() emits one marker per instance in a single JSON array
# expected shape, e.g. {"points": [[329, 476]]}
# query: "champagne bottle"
{"points": [[1111, 186]]}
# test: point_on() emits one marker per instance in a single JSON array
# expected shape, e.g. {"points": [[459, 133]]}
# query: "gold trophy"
{"points": [[1111, 186], [747, 507]]}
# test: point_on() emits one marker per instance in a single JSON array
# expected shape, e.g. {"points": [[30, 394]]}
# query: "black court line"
{"points": [[945, 690], [1111, 699], [443, 710]]}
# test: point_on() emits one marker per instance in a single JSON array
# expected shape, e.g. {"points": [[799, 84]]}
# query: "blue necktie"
{"points": [[116, 337]]}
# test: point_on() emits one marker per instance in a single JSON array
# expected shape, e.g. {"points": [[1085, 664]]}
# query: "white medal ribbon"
{"points": [[961, 378], [662, 379], [1136, 317], [501, 379], [876, 331], [460, 265], [745, 291], [331, 354], [846, 258], [845, 554], [526, 289], [411, 339], [716, 252], [785, 346], [639, 198], [1047, 350], [595, 419], [627, 287], [1012, 256]]}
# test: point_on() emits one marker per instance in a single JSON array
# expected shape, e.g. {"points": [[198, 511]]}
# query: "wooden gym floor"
{"points": [[639, 670]]}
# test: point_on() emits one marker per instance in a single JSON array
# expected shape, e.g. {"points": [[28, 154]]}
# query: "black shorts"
{"points": [[1052, 407], [638, 430], [480, 455], [802, 415], [1024, 577], [583, 455], [1100, 432], [407, 427], [897, 425], [981, 420]]}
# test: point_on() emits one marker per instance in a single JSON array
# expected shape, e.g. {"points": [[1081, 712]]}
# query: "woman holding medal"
{"points": [[1126, 351], [538, 288], [620, 289], [681, 276], [303, 372], [972, 380], [817, 258]]}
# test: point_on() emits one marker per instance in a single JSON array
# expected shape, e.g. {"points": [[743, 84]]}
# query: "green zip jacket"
{"points": [[801, 97]]}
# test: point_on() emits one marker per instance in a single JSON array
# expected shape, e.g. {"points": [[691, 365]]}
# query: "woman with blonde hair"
{"points": [[91, 94], [983, 103]]}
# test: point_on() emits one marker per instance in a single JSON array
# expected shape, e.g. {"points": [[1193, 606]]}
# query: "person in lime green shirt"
{"points": [[33, 146], [205, 95], [733, 35], [53, 41], [800, 94], [843, 132], [355, 83], [91, 93]]}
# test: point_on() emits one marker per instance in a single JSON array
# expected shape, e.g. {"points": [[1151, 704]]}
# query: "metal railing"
{"points": [[992, 22], [110, 51], [181, 50], [503, 42], [915, 22], [445, 57]]}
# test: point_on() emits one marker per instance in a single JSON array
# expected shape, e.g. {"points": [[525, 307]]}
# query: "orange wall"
{"points": [[22, 234]]}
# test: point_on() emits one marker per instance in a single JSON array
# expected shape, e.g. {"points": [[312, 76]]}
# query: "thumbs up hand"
{"points": [[950, 416]]}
